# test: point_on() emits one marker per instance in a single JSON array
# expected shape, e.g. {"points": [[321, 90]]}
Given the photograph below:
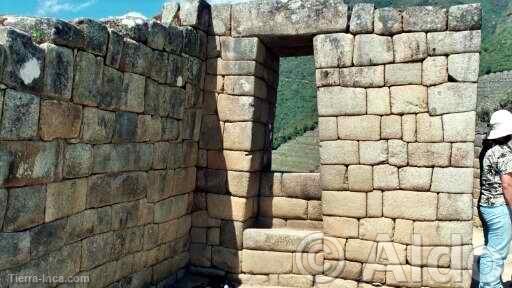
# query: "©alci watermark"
{"points": [[407, 265]]}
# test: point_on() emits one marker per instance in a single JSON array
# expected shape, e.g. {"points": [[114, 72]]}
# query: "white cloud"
{"points": [[134, 14], [51, 7]]}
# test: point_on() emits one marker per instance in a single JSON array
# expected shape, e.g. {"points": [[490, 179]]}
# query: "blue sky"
{"points": [[96, 9]]}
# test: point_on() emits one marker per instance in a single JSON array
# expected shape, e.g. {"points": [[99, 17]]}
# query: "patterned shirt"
{"points": [[496, 163]]}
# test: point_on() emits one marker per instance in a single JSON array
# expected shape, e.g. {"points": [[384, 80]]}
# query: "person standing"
{"points": [[496, 198]]}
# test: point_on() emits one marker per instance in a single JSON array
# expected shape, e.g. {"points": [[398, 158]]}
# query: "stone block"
{"points": [[335, 101], [403, 276], [334, 248], [24, 61], [15, 249], [332, 177], [213, 236], [315, 210], [20, 116], [410, 47], [241, 108], [111, 90], [409, 127], [403, 74], [136, 58], [125, 127], [365, 127], [374, 204], [425, 18], [294, 280], [333, 50], [391, 127], [235, 160], [171, 208], [327, 77], [440, 233], [403, 231], [244, 136], [230, 208], [330, 152], [60, 120], [461, 257], [403, 204], [122, 157], [429, 154], [391, 253], [243, 184], [360, 178], [435, 71], [385, 177], [361, 19], [373, 273], [447, 277], [429, 128], [464, 67], [231, 234], [361, 250], [65, 198], [87, 78], [387, 21], [397, 153], [347, 204], [271, 184], [445, 43], [96, 35], [429, 256], [409, 99], [378, 101], [242, 49], [276, 239], [25, 208], [133, 93], [96, 250], [370, 49], [3, 205], [281, 207], [415, 178], [452, 180], [302, 185], [221, 20], [463, 154], [331, 282], [365, 77], [455, 207], [374, 229], [227, 259], [58, 79], [98, 126], [459, 127], [266, 262], [246, 86], [465, 17], [373, 152], [327, 128]]}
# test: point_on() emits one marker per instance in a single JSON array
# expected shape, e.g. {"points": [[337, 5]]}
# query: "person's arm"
{"points": [[506, 183]]}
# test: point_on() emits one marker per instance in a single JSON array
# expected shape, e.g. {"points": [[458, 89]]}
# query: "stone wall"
{"points": [[98, 140]]}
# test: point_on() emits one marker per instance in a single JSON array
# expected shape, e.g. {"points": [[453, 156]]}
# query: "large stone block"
{"points": [[465, 17], [429, 128], [268, 18], [391, 127], [459, 127], [242, 49], [429, 154], [444, 43], [455, 207], [365, 77], [409, 128], [87, 78], [373, 273], [302, 185], [374, 204], [403, 74], [373, 152], [410, 47], [135, 58], [446, 277], [96, 35], [60, 120], [440, 233], [435, 70], [385, 177], [452, 180], [276, 239], [404, 205], [294, 280], [65, 198], [110, 158], [336, 101], [266, 262], [360, 178], [281, 207], [241, 108], [25, 208], [361, 19], [397, 153], [463, 154], [227, 259], [230, 208], [96, 250], [452, 98], [365, 127], [425, 18], [327, 128], [333, 50], [245, 85], [245, 136], [403, 276], [374, 228], [387, 21], [464, 67], [169, 209], [125, 127], [347, 204], [58, 74], [415, 179], [235, 160], [243, 184], [403, 231], [361, 250], [221, 20], [15, 249], [370, 49], [391, 253], [409, 99], [332, 177], [20, 116], [330, 152], [327, 77], [378, 101]]}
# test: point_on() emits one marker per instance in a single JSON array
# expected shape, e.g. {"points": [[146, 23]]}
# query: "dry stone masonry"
{"points": [[134, 152]]}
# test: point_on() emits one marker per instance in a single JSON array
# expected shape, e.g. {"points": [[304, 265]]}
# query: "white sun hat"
{"points": [[501, 122]]}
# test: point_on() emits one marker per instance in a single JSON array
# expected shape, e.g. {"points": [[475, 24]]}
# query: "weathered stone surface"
{"points": [[25, 208], [24, 64], [332, 177], [243, 184], [448, 277], [452, 98], [327, 77], [244, 136], [242, 49], [452, 180], [227, 259], [365, 77], [333, 50], [170, 208], [125, 127], [136, 58], [403, 275], [111, 95], [230, 208], [15, 249], [360, 178], [329, 152], [387, 21], [370, 49], [391, 127], [374, 204], [281, 207], [415, 179], [60, 120], [372, 273], [465, 17], [463, 154], [293, 280], [327, 128], [429, 128], [87, 78], [403, 204], [114, 49], [409, 99], [391, 253], [373, 152], [235, 160], [365, 127], [373, 228], [65, 198], [122, 157], [424, 18], [360, 250], [443, 43], [409, 127], [455, 207], [403, 231], [98, 126], [336, 101], [96, 35], [3, 205], [347, 204], [459, 127], [266, 262], [330, 282], [221, 20], [271, 184], [435, 70], [440, 233], [410, 47], [397, 153], [403, 74], [276, 239], [20, 116], [245, 85], [464, 67], [378, 101], [96, 250], [267, 18], [58, 71], [241, 108], [302, 185], [361, 19], [385, 177], [429, 154]]}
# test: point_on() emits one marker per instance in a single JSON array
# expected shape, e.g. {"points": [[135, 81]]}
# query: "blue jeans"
{"points": [[498, 234]]}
